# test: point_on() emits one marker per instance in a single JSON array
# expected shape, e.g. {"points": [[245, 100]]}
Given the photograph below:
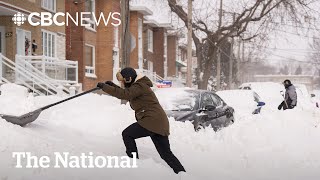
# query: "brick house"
{"points": [[96, 48], [137, 14], [156, 47], [173, 40], [19, 40]]}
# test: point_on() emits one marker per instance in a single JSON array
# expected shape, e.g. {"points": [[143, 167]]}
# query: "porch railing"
{"points": [[61, 71], [23, 72]]}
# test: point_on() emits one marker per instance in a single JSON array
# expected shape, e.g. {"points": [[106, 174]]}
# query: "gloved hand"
{"points": [[100, 85], [110, 83]]}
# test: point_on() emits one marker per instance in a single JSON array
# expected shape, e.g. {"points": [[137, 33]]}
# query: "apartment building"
{"points": [[156, 49], [96, 48], [137, 14]]}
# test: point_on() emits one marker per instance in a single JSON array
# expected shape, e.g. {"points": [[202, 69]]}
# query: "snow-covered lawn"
{"points": [[272, 145]]}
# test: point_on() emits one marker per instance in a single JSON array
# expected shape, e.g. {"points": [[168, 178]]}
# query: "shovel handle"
{"points": [[78, 95]]}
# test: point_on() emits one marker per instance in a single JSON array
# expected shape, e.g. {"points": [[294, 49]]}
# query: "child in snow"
{"points": [[151, 119]]}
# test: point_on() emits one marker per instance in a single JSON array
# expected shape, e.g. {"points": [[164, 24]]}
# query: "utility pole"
{"points": [[219, 50], [125, 35], [189, 51], [239, 61], [231, 57]]}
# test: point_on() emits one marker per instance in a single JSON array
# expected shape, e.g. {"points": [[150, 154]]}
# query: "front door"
{"points": [[23, 42], [2, 40]]}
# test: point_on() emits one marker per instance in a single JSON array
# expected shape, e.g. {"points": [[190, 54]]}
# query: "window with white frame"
{"points": [[49, 43], [90, 6], [49, 5], [150, 40], [89, 60]]}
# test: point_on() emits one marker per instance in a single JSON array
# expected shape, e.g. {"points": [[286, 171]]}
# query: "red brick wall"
{"points": [[158, 51], [134, 58], [102, 39], [75, 39], [172, 50]]}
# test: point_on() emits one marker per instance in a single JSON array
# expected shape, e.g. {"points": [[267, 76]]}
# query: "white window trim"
{"points": [[55, 42], [91, 22], [91, 75], [50, 10], [150, 38]]}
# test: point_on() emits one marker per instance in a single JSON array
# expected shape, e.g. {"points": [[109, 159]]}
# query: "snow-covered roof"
{"points": [[155, 23], [180, 63], [142, 9], [160, 16], [151, 22]]}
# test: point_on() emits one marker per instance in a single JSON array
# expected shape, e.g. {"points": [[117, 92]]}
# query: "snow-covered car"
{"points": [[242, 100], [268, 91], [202, 108]]}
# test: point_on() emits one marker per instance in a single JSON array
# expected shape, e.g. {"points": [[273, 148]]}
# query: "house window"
{"points": [[90, 60], [150, 40], [49, 44], [90, 6], [49, 5]]}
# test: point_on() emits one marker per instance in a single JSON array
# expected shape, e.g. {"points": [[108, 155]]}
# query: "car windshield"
{"points": [[180, 100]]}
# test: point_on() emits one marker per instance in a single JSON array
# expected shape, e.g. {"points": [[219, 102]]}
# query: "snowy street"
{"points": [[159, 90], [271, 145]]}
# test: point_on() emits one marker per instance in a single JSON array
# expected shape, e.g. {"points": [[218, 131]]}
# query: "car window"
{"points": [[181, 101], [217, 100], [207, 100]]}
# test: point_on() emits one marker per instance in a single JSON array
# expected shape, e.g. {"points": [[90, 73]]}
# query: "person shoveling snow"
{"points": [[290, 96], [151, 119]]}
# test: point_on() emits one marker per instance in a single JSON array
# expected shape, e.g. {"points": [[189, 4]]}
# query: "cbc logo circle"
{"points": [[18, 19]]}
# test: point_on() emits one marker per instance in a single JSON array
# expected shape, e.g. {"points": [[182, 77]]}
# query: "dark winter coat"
{"points": [[148, 112], [291, 95]]}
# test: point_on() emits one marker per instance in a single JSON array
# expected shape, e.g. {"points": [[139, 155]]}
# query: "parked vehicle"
{"points": [[243, 100], [202, 108]]}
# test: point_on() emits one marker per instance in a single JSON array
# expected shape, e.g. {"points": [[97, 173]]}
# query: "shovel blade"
{"points": [[23, 119]]}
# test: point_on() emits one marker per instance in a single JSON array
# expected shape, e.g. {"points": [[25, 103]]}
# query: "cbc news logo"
{"points": [[18, 19], [87, 19]]}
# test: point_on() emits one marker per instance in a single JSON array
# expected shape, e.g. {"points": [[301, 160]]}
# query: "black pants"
{"points": [[284, 105], [135, 131]]}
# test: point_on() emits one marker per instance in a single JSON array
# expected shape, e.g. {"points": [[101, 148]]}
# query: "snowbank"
{"points": [[241, 100], [273, 145], [15, 100]]}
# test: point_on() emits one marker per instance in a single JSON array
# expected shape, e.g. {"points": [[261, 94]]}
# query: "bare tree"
{"points": [[253, 19]]}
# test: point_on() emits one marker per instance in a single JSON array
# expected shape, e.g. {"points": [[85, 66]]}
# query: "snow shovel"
{"points": [[284, 99], [32, 116]]}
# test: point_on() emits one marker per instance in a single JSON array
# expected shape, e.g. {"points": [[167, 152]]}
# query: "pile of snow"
{"points": [[270, 94], [304, 97], [15, 100], [269, 146], [268, 91], [241, 100]]}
